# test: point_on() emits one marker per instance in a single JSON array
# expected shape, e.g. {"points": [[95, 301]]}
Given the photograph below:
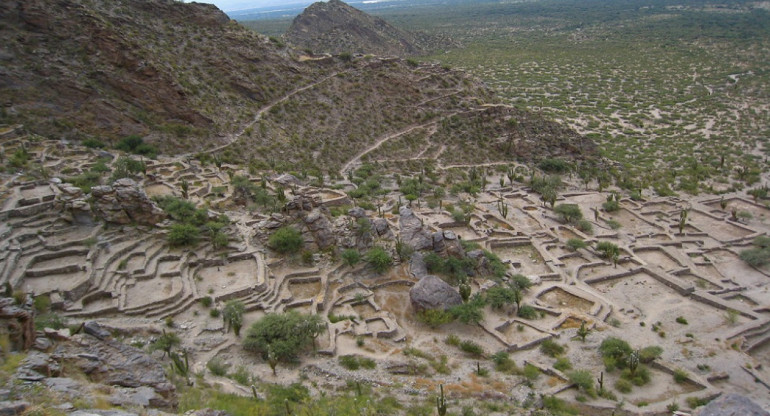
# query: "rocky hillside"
{"points": [[190, 80], [336, 27]]}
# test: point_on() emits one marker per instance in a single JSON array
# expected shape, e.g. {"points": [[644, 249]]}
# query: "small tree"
{"points": [[232, 314], [286, 240], [569, 212], [282, 337]]}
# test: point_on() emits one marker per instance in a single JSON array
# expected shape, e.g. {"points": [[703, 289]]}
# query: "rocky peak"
{"points": [[336, 27]]}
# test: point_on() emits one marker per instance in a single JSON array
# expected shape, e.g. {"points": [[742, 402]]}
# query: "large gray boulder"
{"points": [[412, 231], [433, 293], [114, 364], [731, 405], [322, 229], [124, 203]]}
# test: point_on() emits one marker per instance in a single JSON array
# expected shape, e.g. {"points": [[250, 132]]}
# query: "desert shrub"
{"points": [[286, 240], [284, 335], [562, 364], [183, 235], [623, 386], [527, 312], [611, 206], [557, 406], [530, 372], [520, 281], [452, 340], [569, 212], [499, 296], [585, 226], [681, 376], [434, 318], [640, 377], [349, 361], [649, 354], [379, 259], [584, 380], [554, 166], [93, 143], [551, 348], [206, 301], [614, 350], [217, 367], [241, 376], [576, 244], [681, 320], [470, 312], [472, 348], [503, 362]]}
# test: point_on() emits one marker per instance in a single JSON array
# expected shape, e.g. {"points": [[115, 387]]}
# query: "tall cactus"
{"points": [[441, 402]]}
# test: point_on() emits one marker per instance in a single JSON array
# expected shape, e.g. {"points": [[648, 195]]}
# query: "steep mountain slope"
{"points": [[190, 80], [336, 27]]}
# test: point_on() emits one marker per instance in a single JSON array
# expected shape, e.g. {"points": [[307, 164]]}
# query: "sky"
{"points": [[233, 5]]}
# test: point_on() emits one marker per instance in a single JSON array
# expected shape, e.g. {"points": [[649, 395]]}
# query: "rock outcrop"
{"points": [[412, 231], [124, 203], [335, 27], [433, 293], [18, 323], [112, 363], [321, 228], [731, 405]]}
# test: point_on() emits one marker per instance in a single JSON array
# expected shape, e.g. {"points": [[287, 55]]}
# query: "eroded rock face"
{"points": [[412, 231], [433, 293], [18, 322], [731, 405], [111, 363], [124, 203], [322, 229]]}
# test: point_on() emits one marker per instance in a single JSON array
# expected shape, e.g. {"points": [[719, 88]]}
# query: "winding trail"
{"points": [[357, 158], [233, 137]]}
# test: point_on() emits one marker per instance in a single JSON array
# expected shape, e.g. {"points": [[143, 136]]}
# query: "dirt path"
{"points": [[357, 158], [232, 138]]}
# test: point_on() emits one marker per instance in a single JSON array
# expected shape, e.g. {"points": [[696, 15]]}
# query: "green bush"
{"points": [[562, 364], [379, 259], [530, 372], [217, 367], [576, 244], [585, 226], [623, 386], [551, 348], [681, 376], [434, 318], [520, 281], [183, 235], [681, 320], [499, 296], [351, 257], [569, 212], [472, 348], [452, 340], [649, 354], [615, 349], [286, 240], [93, 143], [503, 362], [527, 312], [469, 313], [640, 377], [284, 335], [349, 361], [611, 206], [584, 380]]}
